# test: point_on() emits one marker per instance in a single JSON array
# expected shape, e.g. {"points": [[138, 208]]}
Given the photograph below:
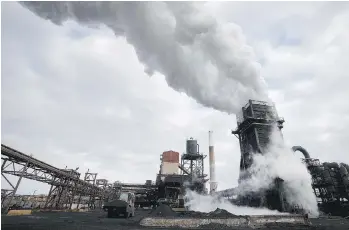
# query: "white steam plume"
{"points": [[281, 162], [201, 203], [207, 60]]}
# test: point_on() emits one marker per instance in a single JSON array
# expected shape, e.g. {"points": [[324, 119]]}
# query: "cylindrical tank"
{"points": [[333, 165], [192, 146], [346, 182], [327, 175], [169, 168], [344, 174], [343, 171], [346, 166], [170, 156], [331, 189], [318, 170], [148, 182]]}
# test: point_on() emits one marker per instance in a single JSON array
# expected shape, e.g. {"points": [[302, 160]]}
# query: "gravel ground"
{"points": [[98, 221]]}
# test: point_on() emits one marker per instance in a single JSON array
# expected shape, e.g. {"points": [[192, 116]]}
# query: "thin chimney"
{"points": [[213, 183]]}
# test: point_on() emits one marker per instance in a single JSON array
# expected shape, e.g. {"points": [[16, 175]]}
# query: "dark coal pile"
{"points": [[278, 226], [192, 214], [218, 213], [221, 213], [212, 226], [163, 211]]}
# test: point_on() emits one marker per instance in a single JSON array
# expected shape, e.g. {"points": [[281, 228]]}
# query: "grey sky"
{"points": [[76, 96]]}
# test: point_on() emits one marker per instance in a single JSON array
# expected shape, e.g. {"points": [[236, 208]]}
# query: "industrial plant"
{"points": [[178, 174]]}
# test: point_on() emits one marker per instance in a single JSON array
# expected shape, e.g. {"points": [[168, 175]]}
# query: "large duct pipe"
{"points": [[213, 183], [302, 150]]}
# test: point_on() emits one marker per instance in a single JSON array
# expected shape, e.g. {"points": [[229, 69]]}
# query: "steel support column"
{"points": [[14, 187]]}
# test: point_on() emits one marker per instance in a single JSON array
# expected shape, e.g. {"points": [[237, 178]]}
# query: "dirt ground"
{"points": [[97, 221]]}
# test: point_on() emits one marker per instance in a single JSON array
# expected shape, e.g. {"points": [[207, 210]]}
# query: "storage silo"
{"points": [[170, 162]]}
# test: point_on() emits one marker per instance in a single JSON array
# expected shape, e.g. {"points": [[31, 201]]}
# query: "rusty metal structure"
{"points": [[255, 124], [66, 186]]}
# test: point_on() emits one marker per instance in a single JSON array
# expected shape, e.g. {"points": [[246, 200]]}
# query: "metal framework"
{"points": [[146, 194], [254, 126], [65, 184], [330, 183], [192, 163], [102, 184]]}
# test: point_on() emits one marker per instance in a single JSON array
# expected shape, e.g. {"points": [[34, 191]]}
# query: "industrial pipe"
{"points": [[345, 175], [213, 183], [302, 150], [185, 171]]}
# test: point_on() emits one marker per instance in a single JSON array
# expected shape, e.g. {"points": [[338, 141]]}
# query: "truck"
{"points": [[124, 206]]}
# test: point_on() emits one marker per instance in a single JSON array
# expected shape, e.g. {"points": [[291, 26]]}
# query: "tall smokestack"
{"points": [[213, 183]]}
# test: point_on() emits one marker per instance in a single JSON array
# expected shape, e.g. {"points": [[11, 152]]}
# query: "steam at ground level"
{"points": [[202, 203], [279, 161]]}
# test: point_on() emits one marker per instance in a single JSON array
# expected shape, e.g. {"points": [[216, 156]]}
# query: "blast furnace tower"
{"points": [[254, 126]]}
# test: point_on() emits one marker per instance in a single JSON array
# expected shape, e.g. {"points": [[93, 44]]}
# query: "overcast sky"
{"points": [[78, 97]]}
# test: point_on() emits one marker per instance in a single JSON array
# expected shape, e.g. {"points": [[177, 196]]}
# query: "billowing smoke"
{"points": [[207, 60]]}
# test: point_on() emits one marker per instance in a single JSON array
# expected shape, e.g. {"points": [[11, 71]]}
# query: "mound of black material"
{"points": [[163, 210], [218, 213], [193, 214], [221, 213]]}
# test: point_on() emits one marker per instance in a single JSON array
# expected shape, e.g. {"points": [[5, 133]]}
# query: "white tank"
{"points": [[169, 168]]}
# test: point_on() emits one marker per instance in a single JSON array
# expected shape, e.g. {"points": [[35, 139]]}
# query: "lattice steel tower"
{"points": [[193, 162]]}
